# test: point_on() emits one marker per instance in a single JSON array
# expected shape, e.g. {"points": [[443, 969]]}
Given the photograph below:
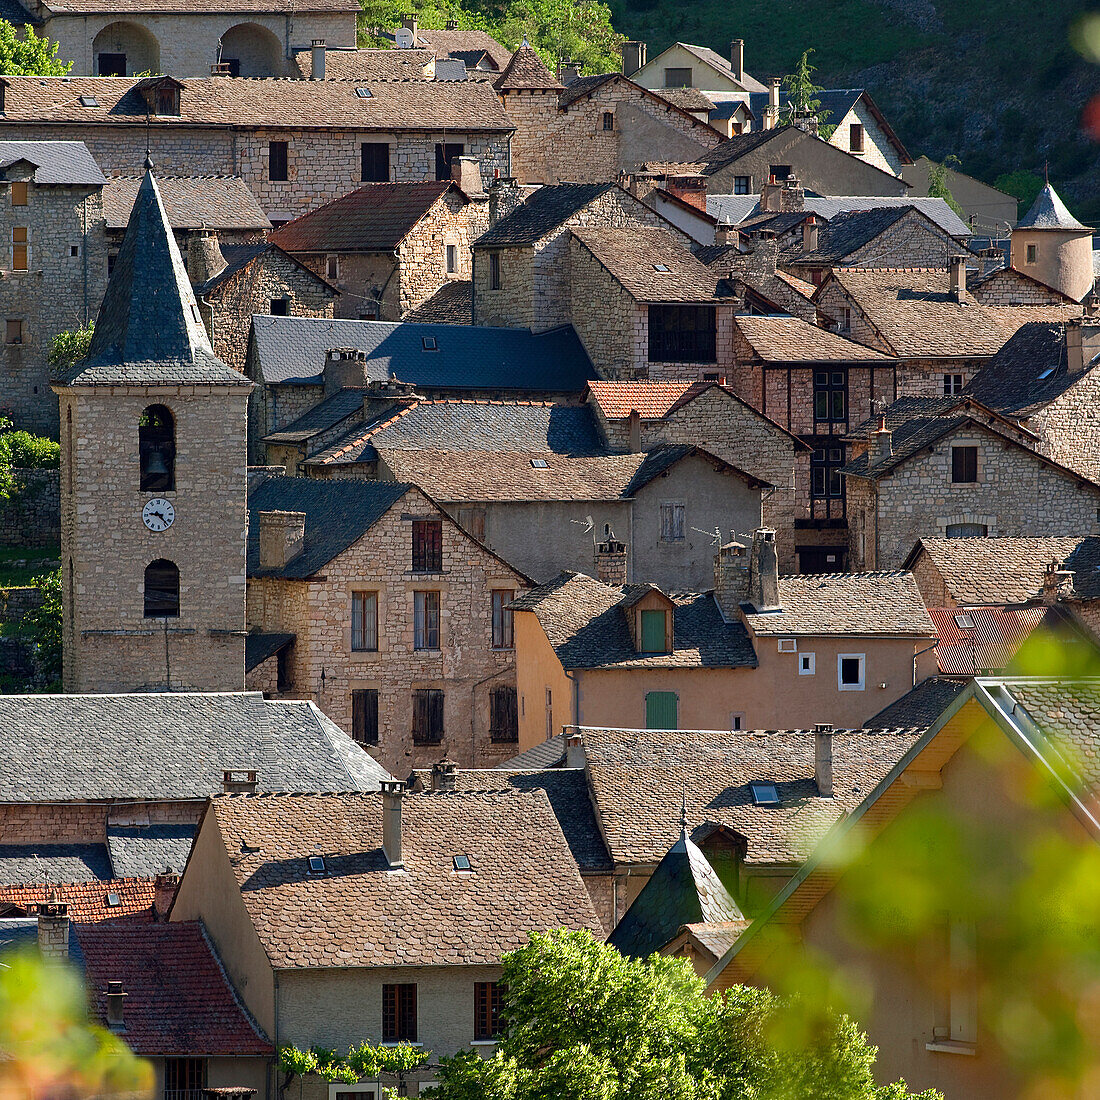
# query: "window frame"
{"points": [[494, 271], [742, 185], [608, 122], [830, 396], [364, 716], [399, 1013], [20, 248], [952, 385], [861, 683], [807, 664], [827, 486], [504, 623], [20, 193], [278, 161], [21, 330], [371, 164], [647, 615], [678, 82], [427, 620], [429, 716], [664, 694], [856, 137], [682, 333], [672, 515], [450, 258], [332, 266], [488, 1018], [964, 462], [503, 714], [367, 629], [427, 546], [172, 600], [1031, 254]]}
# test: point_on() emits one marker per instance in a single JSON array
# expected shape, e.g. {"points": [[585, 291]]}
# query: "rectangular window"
{"points": [[849, 671], [672, 521], [427, 546], [399, 1013], [608, 120], [660, 710], [952, 385], [826, 480], [19, 193], [168, 100], [503, 619], [445, 153], [779, 172], [111, 64], [966, 530], [425, 620], [831, 396], [503, 714], [677, 78], [184, 1078], [742, 185], [1032, 253], [427, 716], [364, 621], [845, 320], [806, 664], [682, 334], [332, 267], [374, 162], [13, 331], [19, 248], [737, 720], [494, 271], [451, 256], [964, 465], [654, 633], [473, 520], [855, 138], [277, 160], [283, 681], [487, 1000], [364, 716]]}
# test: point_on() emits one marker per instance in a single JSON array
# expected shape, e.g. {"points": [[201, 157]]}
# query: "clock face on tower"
{"points": [[158, 514]]}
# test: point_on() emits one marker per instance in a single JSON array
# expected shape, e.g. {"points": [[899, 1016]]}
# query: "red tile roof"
{"points": [[87, 901], [179, 1000], [652, 399]]}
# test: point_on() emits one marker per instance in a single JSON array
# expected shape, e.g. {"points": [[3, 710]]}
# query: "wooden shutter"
{"points": [[660, 710], [653, 632]]}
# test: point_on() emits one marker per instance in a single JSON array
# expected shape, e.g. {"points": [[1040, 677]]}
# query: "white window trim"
{"points": [[840, 659], [788, 645], [803, 660], [368, 1090]]}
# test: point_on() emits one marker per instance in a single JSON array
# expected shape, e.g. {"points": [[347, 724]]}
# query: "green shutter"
{"points": [[653, 632], [660, 710]]}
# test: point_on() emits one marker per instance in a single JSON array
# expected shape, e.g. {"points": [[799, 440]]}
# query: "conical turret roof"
{"points": [[1049, 212], [526, 72], [149, 329]]}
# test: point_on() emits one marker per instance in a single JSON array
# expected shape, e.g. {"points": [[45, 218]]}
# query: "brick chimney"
{"points": [[574, 750], [53, 927], [444, 775], [393, 790], [243, 780], [956, 273], [764, 571], [317, 59], [731, 578], [810, 233], [164, 893], [611, 560], [466, 172], [204, 257], [504, 196], [823, 759], [771, 112], [633, 57], [282, 538], [689, 189], [116, 998], [344, 368]]}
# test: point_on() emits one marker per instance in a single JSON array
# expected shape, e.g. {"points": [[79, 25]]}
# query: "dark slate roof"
{"points": [[376, 217], [734, 148], [338, 512], [739, 208], [18, 933], [217, 202], [239, 257], [322, 417], [292, 349], [585, 623], [170, 747], [919, 708], [451, 304], [148, 329], [142, 851], [56, 162], [57, 863], [684, 889], [850, 231], [582, 86], [549, 754], [13, 12], [543, 211], [258, 647], [1049, 212], [836, 101]]}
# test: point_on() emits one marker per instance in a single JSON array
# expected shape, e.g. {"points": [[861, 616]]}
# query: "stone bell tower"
{"points": [[153, 484]]}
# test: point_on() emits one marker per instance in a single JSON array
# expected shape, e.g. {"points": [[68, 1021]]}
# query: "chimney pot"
{"points": [[823, 759], [611, 560], [282, 538], [393, 791], [727, 233], [569, 71], [116, 998], [317, 60], [771, 112], [810, 234], [764, 571], [731, 578], [633, 57], [574, 751], [164, 891], [444, 775], [882, 443]]}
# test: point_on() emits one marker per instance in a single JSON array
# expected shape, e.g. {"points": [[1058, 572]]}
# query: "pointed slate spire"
{"points": [[1049, 212], [149, 329], [526, 72]]}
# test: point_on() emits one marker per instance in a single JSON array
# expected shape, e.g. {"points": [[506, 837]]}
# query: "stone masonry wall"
{"points": [[930, 581], [367, 282], [32, 516], [912, 241], [86, 822], [877, 150], [466, 666], [1069, 428], [603, 314], [1009, 288], [832, 299]]}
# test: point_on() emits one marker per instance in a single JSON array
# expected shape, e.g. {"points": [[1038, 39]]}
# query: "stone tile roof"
{"points": [[202, 1016], [567, 790], [142, 851], [638, 778], [650, 264], [192, 7], [921, 706], [258, 647], [526, 72], [466, 43], [376, 217], [543, 211], [687, 99], [327, 414], [368, 64], [64, 862], [1049, 212], [148, 328], [360, 914], [55, 162], [242, 102], [845, 604], [733, 149], [653, 400], [847, 232], [170, 747], [792, 340], [548, 754], [716, 936], [88, 901], [583, 86], [585, 622], [451, 304], [191, 202], [913, 311], [469, 357], [338, 513], [682, 890]]}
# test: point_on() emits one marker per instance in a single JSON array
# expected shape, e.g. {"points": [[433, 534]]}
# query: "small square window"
{"points": [[539, 464], [74, 250], [113, 900], [764, 794], [430, 343], [964, 621], [850, 671], [364, 93], [742, 185], [806, 664], [952, 385], [89, 101], [316, 865], [280, 307], [788, 645]]}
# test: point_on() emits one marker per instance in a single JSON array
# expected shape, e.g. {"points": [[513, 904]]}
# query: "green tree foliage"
{"points": [[41, 626], [365, 1062], [26, 54], [939, 188], [1023, 184], [68, 348], [802, 98], [20, 450], [585, 1023]]}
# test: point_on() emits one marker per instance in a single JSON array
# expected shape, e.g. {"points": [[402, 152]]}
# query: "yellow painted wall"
{"points": [[537, 671]]}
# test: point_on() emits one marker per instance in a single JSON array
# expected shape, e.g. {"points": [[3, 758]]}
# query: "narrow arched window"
{"points": [[157, 449], [162, 590]]}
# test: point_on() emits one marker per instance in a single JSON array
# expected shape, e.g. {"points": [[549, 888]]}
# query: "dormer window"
{"points": [[654, 631], [168, 100]]}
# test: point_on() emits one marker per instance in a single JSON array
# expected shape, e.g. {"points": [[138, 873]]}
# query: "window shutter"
{"points": [[653, 632], [435, 702], [660, 710]]}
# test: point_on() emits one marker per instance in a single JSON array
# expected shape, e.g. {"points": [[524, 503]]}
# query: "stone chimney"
{"points": [[810, 232], [737, 59], [731, 578], [569, 71], [344, 368], [633, 57], [504, 196], [634, 423], [1055, 579], [53, 927], [466, 172], [689, 189], [882, 442], [574, 750], [393, 791], [116, 998], [164, 892], [611, 559], [409, 23], [783, 196], [1082, 342], [282, 538], [771, 112], [243, 780], [727, 233], [444, 775], [204, 257], [956, 273], [764, 571], [823, 759], [317, 59]]}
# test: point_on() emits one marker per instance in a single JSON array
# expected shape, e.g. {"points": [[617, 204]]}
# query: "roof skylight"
{"points": [[539, 464], [462, 863], [430, 343], [764, 794], [364, 93], [89, 101], [113, 900], [316, 865], [964, 622], [661, 267]]}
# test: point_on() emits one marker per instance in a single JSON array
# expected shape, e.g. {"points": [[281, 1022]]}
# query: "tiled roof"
{"points": [[846, 604], [243, 261], [583, 86], [979, 640], [88, 902], [652, 399], [543, 211], [192, 7], [724, 66], [687, 99], [65, 862], [915, 314], [547, 754], [466, 43], [359, 913], [1049, 212], [716, 936], [921, 706], [792, 340], [170, 746], [142, 851], [258, 647], [846, 233], [638, 778], [148, 328], [328, 414], [369, 64], [338, 513], [376, 217], [191, 202], [733, 149], [451, 304], [292, 349], [178, 997], [585, 622], [237, 102], [650, 264], [526, 72], [56, 162]]}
